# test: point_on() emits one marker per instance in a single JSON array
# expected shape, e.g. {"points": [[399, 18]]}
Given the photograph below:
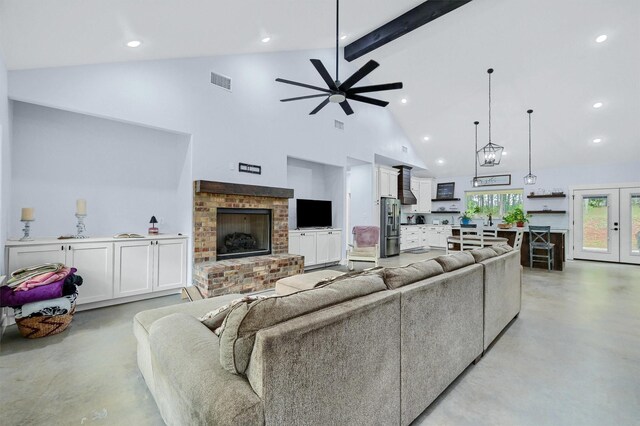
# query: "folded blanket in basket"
{"points": [[43, 279], [23, 274], [67, 286], [59, 306]]}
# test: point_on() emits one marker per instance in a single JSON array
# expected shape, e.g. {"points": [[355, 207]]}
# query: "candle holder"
{"points": [[26, 230], [80, 226]]}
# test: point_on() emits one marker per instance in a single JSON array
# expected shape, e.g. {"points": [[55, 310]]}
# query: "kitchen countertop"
{"points": [[423, 224], [514, 229]]}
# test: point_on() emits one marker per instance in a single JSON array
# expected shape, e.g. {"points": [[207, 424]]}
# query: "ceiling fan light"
{"points": [[337, 98]]}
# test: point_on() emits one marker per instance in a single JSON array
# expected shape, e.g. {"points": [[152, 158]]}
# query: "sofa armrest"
{"points": [[191, 387], [340, 363]]}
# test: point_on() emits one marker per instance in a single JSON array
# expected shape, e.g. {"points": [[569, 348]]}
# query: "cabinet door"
{"points": [[94, 262], [335, 246], [323, 246], [170, 264], [424, 237], [21, 257], [294, 243], [308, 248], [384, 182], [133, 268], [393, 185], [424, 196]]}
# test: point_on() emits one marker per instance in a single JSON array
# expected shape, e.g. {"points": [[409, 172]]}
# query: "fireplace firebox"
{"points": [[243, 232]]}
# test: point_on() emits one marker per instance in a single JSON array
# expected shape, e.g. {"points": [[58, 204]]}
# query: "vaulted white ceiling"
{"points": [[543, 51]]}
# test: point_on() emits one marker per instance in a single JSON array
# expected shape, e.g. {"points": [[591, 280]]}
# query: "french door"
{"points": [[606, 224]]}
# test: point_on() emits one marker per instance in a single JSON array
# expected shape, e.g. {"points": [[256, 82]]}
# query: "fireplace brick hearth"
{"points": [[238, 275]]}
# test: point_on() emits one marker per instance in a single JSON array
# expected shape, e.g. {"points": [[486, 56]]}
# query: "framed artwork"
{"points": [[445, 190], [494, 180]]}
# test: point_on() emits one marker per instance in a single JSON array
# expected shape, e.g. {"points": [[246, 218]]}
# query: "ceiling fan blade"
{"points": [[367, 100], [359, 75], [376, 88], [346, 107], [324, 74], [308, 86], [303, 97], [319, 107]]}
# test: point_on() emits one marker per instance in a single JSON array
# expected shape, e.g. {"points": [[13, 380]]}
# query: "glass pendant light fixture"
{"points": [[491, 154], [475, 182], [530, 179]]}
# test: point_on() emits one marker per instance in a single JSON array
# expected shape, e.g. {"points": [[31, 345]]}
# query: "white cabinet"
{"points": [[317, 246], [110, 268], [94, 262], [421, 188], [410, 237], [170, 264], [437, 235], [387, 182]]}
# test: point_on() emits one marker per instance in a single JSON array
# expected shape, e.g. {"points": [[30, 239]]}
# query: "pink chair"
{"points": [[365, 247]]}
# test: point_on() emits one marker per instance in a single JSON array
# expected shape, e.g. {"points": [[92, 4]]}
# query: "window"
{"points": [[496, 203]]}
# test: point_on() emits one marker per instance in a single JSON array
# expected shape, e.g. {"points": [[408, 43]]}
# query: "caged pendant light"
{"points": [[475, 182], [530, 179], [491, 154]]}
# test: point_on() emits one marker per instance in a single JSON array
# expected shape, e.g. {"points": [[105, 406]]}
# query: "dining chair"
{"points": [[471, 238], [517, 245], [490, 232], [540, 240]]}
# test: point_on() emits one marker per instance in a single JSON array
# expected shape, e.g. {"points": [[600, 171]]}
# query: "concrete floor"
{"points": [[571, 358]]}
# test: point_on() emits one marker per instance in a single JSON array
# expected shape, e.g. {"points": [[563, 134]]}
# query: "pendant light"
{"points": [[475, 182], [530, 179], [491, 154]]}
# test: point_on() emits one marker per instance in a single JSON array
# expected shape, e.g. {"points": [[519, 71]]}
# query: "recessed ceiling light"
{"points": [[134, 43], [343, 37], [426, 138], [403, 100], [266, 40], [601, 38], [598, 105], [441, 161], [597, 140]]}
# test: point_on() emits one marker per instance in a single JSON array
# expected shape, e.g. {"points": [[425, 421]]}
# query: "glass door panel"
{"points": [[630, 225], [596, 225]]}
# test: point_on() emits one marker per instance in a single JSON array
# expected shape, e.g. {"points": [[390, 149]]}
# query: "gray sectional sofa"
{"points": [[373, 348]]}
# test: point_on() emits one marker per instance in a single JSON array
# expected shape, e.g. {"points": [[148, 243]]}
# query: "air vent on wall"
{"points": [[221, 81], [338, 124]]}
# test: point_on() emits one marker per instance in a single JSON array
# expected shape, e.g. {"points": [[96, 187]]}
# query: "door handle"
{"points": [[614, 229]]}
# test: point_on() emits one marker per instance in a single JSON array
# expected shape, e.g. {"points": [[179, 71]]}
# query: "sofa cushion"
{"points": [[485, 253], [405, 275], [502, 248], [213, 319], [246, 319], [378, 270], [451, 262]]}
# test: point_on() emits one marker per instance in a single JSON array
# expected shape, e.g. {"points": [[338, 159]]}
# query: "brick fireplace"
{"points": [[217, 273]]}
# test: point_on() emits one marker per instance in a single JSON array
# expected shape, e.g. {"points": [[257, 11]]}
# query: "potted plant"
{"points": [[507, 221], [468, 215], [519, 217]]}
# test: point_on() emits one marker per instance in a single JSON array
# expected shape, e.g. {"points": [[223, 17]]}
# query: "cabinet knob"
{"points": [[151, 242], [69, 247], [62, 248]]}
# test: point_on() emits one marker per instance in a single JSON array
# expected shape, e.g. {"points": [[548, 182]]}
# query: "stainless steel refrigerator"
{"points": [[389, 227]]}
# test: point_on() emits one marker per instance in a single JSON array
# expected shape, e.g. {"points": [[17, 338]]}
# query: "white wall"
{"points": [[315, 181], [127, 173], [5, 160], [248, 124], [362, 192], [548, 179]]}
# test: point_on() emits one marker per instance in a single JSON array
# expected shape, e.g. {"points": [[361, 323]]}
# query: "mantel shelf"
{"points": [[547, 212], [445, 199], [548, 196]]}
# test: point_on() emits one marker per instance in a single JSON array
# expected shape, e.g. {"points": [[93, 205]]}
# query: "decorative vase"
{"points": [[465, 221], [520, 224]]}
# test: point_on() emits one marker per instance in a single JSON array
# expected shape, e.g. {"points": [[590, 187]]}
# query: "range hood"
{"points": [[404, 186]]}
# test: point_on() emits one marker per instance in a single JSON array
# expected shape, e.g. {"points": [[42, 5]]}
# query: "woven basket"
{"points": [[35, 327]]}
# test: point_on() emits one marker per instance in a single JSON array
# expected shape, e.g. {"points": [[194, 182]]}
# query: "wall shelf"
{"points": [[444, 211], [548, 196], [445, 199], [547, 212]]}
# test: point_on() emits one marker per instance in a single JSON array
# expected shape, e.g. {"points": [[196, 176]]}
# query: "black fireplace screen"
{"points": [[243, 232]]}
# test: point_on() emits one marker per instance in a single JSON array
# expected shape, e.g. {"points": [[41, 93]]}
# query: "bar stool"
{"points": [[540, 239], [517, 244]]}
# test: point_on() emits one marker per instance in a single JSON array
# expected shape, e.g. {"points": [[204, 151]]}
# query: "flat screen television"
{"points": [[313, 213]]}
